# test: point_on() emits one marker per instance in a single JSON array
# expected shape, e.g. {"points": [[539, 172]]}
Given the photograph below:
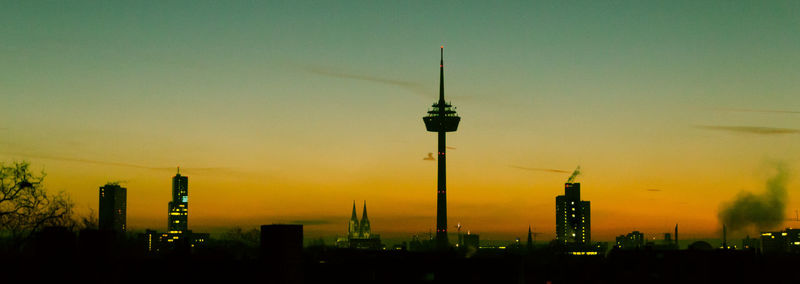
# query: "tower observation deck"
{"points": [[442, 118]]}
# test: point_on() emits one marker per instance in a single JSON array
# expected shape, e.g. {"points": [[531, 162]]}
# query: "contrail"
{"points": [[414, 87], [751, 129], [757, 110], [117, 164], [540, 169]]}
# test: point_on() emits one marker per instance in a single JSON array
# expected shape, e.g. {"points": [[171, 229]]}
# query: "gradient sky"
{"points": [[284, 111]]}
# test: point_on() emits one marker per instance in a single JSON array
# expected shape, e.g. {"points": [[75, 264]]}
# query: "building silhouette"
{"points": [[178, 208], [786, 241], [469, 241], [359, 233], [442, 118], [152, 241], [573, 222], [632, 240], [113, 203], [751, 243], [178, 237]]}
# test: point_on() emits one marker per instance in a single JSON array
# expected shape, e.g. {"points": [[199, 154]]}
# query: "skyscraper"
{"points": [[442, 118], [178, 236], [178, 208], [112, 208], [573, 225]]}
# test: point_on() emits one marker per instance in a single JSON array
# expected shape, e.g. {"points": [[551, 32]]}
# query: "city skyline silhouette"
{"points": [[283, 141], [670, 112]]}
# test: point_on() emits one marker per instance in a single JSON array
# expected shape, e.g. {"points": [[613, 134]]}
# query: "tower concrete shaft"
{"points": [[441, 195]]}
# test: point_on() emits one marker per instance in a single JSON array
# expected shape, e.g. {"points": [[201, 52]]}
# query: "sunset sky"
{"points": [[288, 111]]}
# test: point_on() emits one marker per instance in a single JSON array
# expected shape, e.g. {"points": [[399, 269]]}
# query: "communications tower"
{"points": [[442, 118]]}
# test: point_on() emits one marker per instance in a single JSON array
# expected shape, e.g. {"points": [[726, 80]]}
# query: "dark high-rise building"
{"points": [[178, 208], [112, 208], [573, 225], [178, 236], [442, 118]]}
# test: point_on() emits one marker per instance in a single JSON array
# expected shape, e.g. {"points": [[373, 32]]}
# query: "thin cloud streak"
{"points": [[312, 222], [414, 87], [118, 164], [750, 129], [757, 110], [540, 169]]}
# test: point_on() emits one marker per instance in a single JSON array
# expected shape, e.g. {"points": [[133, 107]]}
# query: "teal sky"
{"points": [[325, 98]]}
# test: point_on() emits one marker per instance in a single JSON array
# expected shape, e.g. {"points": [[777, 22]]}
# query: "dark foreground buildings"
{"points": [[112, 208], [781, 242], [282, 253], [54, 258], [632, 240]]}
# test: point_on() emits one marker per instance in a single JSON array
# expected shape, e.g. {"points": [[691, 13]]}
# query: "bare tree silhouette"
{"points": [[25, 205]]}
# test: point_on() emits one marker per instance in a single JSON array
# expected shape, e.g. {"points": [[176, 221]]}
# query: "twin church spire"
{"points": [[356, 229]]}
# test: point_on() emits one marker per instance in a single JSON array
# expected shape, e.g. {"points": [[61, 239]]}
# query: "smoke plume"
{"points": [[762, 211], [574, 175]]}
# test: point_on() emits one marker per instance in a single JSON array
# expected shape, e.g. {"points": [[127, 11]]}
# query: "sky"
{"points": [[289, 111]]}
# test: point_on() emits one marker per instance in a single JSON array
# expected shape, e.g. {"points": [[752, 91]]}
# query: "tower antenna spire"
{"points": [[441, 75]]}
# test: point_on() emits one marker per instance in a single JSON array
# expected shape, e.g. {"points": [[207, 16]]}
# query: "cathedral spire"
{"points": [[352, 225], [364, 227], [364, 213], [530, 238], [354, 217]]}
